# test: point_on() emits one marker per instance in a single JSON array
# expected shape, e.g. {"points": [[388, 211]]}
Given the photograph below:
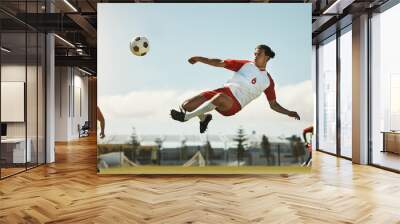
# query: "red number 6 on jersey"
{"points": [[253, 81]]}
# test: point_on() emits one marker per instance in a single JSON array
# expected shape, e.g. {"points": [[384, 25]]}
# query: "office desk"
{"points": [[13, 150], [391, 142]]}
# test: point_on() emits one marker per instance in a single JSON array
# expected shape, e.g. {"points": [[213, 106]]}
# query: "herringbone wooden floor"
{"points": [[70, 191]]}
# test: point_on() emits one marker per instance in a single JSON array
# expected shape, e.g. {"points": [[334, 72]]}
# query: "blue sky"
{"points": [[179, 31]]}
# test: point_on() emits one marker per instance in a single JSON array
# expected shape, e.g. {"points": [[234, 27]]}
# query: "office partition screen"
{"points": [[22, 77], [203, 88]]}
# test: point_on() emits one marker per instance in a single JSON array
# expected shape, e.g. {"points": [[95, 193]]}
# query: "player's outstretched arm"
{"points": [[278, 108], [100, 118], [213, 62]]}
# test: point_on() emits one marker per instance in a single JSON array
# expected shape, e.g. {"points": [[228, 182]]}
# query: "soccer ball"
{"points": [[139, 46]]}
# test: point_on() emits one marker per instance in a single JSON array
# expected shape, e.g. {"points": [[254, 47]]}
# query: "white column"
{"points": [[50, 100], [360, 90], [50, 92]]}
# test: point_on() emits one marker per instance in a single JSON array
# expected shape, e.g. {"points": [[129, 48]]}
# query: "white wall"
{"points": [[33, 127], [61, 103], [16, 73], [71, 94]]}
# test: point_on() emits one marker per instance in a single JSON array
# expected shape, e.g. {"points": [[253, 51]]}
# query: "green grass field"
{"points": [[205, 170]]}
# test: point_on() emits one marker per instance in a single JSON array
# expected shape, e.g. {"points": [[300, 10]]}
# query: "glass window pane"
{"points": [[327, 96], [41, 98], [346, 94], [385, 86], [23, 89], [13, 87], [32, 85], [31, 97]]}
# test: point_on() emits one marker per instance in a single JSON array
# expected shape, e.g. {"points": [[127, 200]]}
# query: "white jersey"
{"points": [[248, 82]]}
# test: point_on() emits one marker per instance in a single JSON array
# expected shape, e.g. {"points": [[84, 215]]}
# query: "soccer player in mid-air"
{"points": [[248, 82]]}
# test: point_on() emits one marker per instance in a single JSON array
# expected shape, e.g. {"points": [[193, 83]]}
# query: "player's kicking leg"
{"points": [[200, 105]]}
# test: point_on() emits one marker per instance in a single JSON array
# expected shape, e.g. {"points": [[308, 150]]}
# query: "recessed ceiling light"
{"points": [[5, 50], [84, 71], [70, 5], [64, 40]]}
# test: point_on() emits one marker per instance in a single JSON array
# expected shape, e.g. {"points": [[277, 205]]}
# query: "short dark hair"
{"points": [[268, 51]]}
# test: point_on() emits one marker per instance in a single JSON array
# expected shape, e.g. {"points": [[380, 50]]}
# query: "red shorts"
{"points": [[235, 106]]}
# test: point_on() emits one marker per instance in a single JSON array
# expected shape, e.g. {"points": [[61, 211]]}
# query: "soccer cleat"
{"points": [[204, 124], [178, 115]]}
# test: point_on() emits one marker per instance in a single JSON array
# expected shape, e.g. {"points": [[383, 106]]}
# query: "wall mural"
{"points": [[204, 88]]}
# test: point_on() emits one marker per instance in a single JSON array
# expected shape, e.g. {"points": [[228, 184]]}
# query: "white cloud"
{"points": [[149, 110], [141, 104], [259, 117]]}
